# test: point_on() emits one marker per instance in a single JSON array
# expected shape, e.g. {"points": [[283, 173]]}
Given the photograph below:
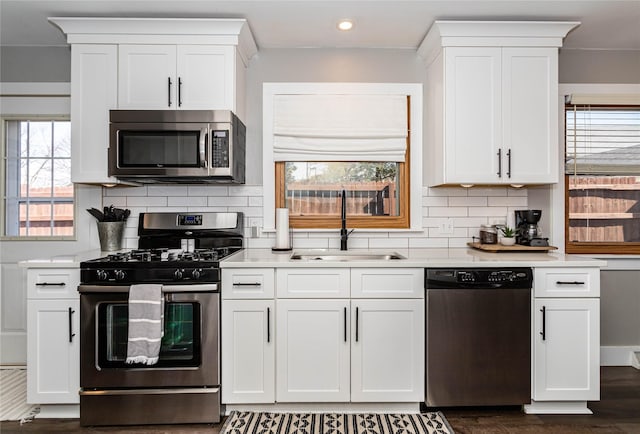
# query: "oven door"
{"points": [[190, 345]]}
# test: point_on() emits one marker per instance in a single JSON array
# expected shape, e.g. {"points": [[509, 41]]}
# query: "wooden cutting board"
{"points": [[515, 248]]}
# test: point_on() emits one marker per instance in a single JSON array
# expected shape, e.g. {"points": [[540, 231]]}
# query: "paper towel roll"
{"points": [[511, 220], [282, 228]]}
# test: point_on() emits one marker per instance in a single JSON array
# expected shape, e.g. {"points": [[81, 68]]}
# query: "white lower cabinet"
{"points": [[312, 350], [248, 351], [53, 351], [53, 336], [567, 349], [387, 350]]}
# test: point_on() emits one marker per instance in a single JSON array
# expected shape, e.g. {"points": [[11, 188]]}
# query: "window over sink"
{"points": [[324, 142]]}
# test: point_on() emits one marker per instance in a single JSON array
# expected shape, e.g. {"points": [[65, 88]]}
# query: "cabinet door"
{"points": [[530, 114], [147, 77], [387, 350], [473, 130], [53, 352], [94, 91], [312, 351], [248, 351], [205, 77], [566, 349]]}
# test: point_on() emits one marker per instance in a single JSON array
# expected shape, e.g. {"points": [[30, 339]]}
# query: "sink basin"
{"points": [[345, 256]]}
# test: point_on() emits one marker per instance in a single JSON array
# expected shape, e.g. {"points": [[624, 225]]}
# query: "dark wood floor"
{"points": [[618, 411]]}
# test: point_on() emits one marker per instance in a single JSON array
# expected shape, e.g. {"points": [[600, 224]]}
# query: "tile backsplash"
{"points": [[468, 208]]}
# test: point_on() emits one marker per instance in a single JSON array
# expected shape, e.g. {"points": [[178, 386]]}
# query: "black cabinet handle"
{"points": [[268, 324], [345, 324], [248, 284], [169, 90], [51, 284], [179, 91], [509, 163], [71, 333], [499, 163], [357, 328], [575, 282], [544, 322]]}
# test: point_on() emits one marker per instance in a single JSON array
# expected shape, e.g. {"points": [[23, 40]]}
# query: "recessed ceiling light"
{"points": [[345, 25]]}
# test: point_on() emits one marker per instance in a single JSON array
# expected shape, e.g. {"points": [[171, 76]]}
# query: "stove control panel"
{"points": [[119, 276]]}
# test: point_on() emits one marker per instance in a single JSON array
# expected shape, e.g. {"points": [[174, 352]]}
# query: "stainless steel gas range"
{"points": [[181, 252]]}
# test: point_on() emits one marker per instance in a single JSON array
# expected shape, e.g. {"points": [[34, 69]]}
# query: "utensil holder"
{"points": [[111, 235]]}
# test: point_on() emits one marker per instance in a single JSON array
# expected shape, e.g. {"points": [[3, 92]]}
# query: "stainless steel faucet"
{"points": [[344, 234]]}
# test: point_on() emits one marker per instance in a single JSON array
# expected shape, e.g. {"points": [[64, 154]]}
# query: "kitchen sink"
{"points": [[345, 256]]}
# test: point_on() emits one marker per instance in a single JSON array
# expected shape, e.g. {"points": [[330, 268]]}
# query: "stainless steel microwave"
{"points": [[177, 146]]}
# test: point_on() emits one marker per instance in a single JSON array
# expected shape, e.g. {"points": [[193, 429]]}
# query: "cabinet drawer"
{"points": [[313, 283], [247, 283], [53, 282], [566, 282], [387, 283]]}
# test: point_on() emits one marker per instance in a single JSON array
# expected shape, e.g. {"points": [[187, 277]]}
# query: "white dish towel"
{"points": [[146, 323]]}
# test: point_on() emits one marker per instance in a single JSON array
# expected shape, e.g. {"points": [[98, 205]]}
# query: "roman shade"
{"points": [[602, 135], [340, 127]]}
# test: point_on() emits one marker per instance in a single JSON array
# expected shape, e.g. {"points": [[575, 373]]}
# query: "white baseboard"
{"points": [[396, 407], [59, 411], [557, 407], [620, 356]]}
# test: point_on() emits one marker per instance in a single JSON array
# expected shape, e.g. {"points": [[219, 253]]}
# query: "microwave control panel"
{"points": [[220, 148]]}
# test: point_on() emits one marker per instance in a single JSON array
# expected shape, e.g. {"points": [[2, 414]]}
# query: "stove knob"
{"points": [[178, 274], [119, 274], [196, 274], [101, 275]]}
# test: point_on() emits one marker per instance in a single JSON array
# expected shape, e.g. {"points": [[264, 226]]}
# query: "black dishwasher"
{"points": [[478, 336]]}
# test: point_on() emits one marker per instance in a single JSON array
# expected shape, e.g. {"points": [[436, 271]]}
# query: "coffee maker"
{"points": [[527, 230]]}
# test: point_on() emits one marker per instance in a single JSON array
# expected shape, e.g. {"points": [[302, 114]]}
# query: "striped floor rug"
{"points": [[241, 422], [13, 396]]}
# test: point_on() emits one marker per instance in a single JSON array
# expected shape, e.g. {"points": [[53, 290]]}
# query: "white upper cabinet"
{"points": [[182, 77], [148, 63], [492, 102]]}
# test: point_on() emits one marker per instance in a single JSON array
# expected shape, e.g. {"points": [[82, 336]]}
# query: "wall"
{"points": [[35, 64], [599, 66]]}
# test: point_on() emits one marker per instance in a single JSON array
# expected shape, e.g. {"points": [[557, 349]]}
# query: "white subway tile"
{"points": [[353, 243], [488, 211], [259, 243], [433, 222], [166, 209], [166, 190], [188, 201], [254, 211], [458, 242], [424, 243], [146, 201], [517, 201], [207, 190], [468, 201], [389, 243], [436, 211], [311, 243], [435, 201], [488, 191], [457, 232], [118, 201], [518, 192], [228, 201]]}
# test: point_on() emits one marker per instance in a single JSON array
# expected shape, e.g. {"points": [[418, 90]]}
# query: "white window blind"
{"points": [[340, 127], [602, 139]]}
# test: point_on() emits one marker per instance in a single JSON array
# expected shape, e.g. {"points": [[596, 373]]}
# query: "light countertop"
{"points": [[464, 257], [64, 261]]}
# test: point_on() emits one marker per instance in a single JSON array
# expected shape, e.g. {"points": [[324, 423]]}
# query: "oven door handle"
{"points": [[204, 287], [103, 392]]}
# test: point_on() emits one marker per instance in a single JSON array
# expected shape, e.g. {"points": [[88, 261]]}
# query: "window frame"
{"points": [[412, 182], [4, 118], [585, 247]]}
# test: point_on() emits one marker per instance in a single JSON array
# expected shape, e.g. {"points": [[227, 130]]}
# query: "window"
{"points": [[602, 178], [376, 193], [38, 192]]}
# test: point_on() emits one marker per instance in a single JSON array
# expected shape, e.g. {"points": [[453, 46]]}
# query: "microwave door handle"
{"points": [[203, 147]]}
